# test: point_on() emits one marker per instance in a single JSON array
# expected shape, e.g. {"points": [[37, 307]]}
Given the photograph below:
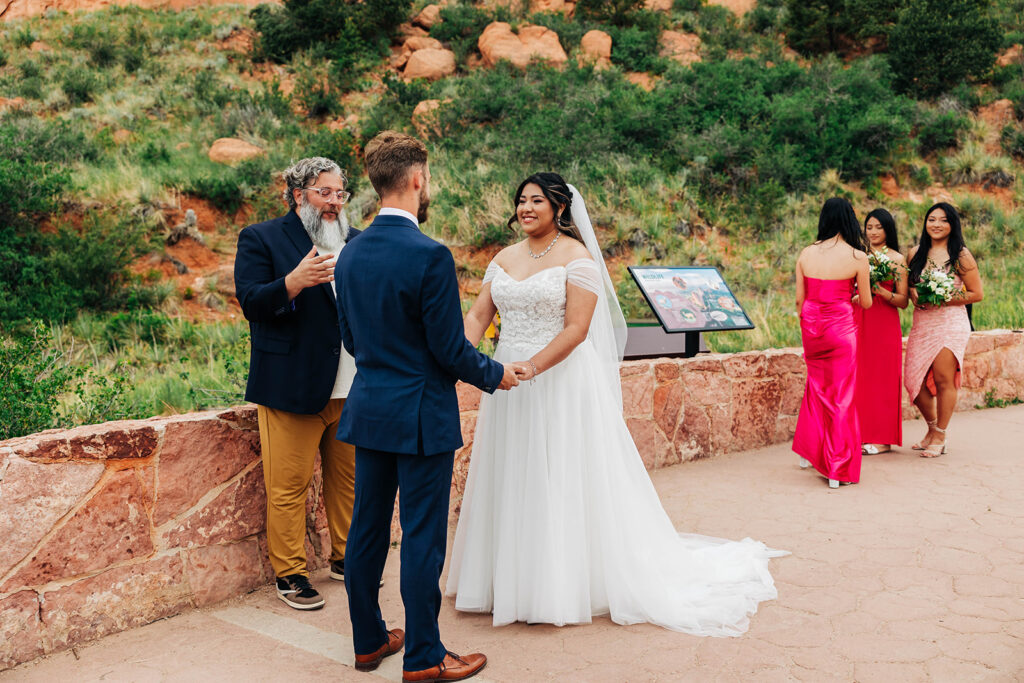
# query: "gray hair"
{"points": [[306, 171]]}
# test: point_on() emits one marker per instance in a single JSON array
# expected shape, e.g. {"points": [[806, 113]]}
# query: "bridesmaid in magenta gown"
{"points": [[880, 345], [828, 273]]}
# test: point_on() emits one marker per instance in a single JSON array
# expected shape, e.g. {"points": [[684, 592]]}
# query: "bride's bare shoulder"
{"points": [[576, 250], [503, 257]]}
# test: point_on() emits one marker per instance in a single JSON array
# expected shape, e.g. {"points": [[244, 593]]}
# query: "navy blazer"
{"points": [[400, 316], [296, 345]]}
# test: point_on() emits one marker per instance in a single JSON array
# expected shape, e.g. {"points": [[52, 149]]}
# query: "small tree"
{"points": [[937, 44], [816, 26]]}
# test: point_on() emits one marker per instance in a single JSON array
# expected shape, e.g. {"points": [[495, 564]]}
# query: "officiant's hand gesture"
{"points": [[312, 270]]}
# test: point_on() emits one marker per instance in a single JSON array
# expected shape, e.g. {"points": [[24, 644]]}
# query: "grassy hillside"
{"points": [[107, 119]]}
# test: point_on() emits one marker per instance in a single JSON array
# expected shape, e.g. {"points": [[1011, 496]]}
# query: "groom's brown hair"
{"points": [[390, 156]]}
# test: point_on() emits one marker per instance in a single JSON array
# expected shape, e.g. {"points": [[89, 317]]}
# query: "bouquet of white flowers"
{"points": [[883, 268], [935, 287]]}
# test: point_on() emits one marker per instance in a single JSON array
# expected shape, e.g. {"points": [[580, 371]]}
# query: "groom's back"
{"points": [[401, 400]]}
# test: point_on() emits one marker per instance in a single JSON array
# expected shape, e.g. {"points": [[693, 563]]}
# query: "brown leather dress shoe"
{"points": [[396, 641], [452, 668]]}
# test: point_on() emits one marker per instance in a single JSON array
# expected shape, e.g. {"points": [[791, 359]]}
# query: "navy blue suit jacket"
{"points": [[296, 344], [400, 316]]}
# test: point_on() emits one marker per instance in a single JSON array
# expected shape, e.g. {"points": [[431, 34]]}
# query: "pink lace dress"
{"points": [[933, 330]]}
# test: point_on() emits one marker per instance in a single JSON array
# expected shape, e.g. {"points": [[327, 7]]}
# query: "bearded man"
{"points": [[299, 374]]}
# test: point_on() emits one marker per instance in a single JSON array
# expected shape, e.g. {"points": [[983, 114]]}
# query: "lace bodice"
{"points": [[532, 310]]}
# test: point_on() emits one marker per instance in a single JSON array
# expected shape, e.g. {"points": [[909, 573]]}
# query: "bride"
{"points": [[560, 521]]}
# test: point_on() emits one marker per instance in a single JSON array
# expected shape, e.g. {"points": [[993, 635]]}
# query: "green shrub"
{"points": [[337, 145], [3, 57], [315, 92], [937, 44], [32, 378], [617, 12], [819, 26], [636, 49], [461, 25], [938, 129], [80, 84], [226, 187], [1012, 139]]}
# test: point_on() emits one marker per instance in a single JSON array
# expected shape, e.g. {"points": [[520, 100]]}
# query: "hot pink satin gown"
{"points": [[827, 429], [880, 371]]}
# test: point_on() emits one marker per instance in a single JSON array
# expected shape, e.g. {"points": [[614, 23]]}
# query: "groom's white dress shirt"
{"points": [[388, 211]]}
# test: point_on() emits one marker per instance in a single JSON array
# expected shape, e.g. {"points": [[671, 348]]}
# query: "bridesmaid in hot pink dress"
{"points": [[939, 335], [880, 345], [827, 274]]}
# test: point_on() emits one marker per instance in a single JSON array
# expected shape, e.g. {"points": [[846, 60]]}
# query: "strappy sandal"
{"points": [[873, 449], [931, 425], [935, 449]]}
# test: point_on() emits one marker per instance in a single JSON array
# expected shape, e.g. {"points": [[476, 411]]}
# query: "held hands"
{"points": [[312, 270], [514, 373]]}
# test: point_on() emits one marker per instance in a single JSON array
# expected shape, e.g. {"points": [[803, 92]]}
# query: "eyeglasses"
{"points": [[325, 192]]}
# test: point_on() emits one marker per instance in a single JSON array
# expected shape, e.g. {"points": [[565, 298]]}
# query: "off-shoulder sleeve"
{"points": [[583, 273], [492, 270]]}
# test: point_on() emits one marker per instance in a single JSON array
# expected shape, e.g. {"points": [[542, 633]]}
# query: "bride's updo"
{"points": [[556, 190]]}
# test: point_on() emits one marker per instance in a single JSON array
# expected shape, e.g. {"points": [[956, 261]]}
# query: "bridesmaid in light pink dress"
{"points": [[828, 273], [939, 335], [880, 345]]}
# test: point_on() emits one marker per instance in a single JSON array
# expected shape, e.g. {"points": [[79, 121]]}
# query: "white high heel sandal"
{"points": [[804, 463]]}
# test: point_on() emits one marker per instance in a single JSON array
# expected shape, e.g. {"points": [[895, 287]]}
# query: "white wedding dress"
{"points": [[560, 521]]}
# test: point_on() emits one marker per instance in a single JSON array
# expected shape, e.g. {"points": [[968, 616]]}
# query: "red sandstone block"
{"points": [[751, 364], [706, 388], [979, 343], [791, 393], [33, 497], [196, 455], [755, 412], [107, 441], [1008, 339], [20, 630], [219, 572], [239, 511], [785, 428], [115, 600], [782, 361], [637, 396], [975, 370], [243, 417], [649, 440], [693, 437], [721, 430], [111, 527], [469, 396], [703, 363], [634, 367], [668, 402], [666, 371]]}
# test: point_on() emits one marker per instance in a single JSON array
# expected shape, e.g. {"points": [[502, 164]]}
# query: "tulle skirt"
{"points": [[560, 521]]}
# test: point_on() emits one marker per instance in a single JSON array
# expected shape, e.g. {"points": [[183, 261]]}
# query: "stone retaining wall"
{"points": [[111, 526]]}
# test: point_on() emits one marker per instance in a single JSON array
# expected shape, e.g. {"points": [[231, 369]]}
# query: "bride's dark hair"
{"points": [[556, 190]]}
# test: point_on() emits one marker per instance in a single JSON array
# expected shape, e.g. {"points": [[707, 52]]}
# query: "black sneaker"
{"points": [[297, 592], [338, 571]]}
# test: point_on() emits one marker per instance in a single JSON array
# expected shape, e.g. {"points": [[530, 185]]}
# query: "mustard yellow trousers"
{"points": [[289, 444]]}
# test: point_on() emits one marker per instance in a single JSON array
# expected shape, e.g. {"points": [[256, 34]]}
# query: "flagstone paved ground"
{"points": [[915, 574]]}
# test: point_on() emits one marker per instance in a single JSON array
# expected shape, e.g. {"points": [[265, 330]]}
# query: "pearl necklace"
{"points": [[557, 234]]}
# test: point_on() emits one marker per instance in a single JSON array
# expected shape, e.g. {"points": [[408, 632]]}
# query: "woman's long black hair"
{"points": [[556, 190], [892, 239], [838, 218], [954, 245]]}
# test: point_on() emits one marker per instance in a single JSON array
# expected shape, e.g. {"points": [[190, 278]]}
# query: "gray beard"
{"points": [[330, 235]]}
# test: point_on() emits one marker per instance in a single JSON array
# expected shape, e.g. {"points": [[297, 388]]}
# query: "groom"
{"points": [[400, 316]]}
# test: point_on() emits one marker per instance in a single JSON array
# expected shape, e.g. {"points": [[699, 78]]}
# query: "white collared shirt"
{"points": [[346, 363], [388, 211]]}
